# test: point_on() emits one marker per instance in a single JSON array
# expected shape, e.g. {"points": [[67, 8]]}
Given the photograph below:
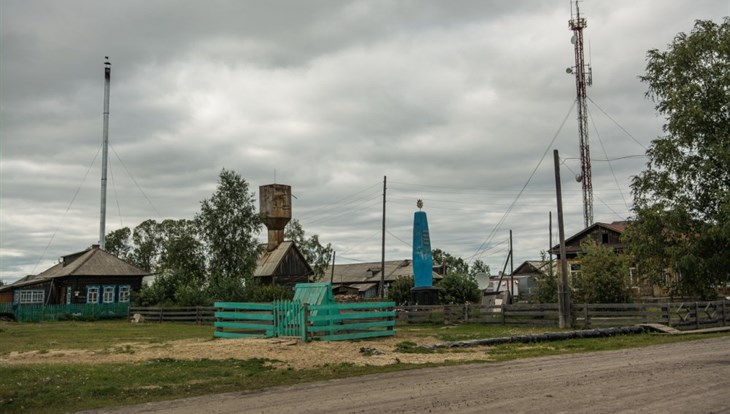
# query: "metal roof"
{"points": [[370, 272], [90, 262]]}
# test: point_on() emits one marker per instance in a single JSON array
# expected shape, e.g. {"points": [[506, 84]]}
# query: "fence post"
{"points": [[586, 316], [697, 315], [504, 317], [466, 313], [668, 311], [304, 321], [724, 323]]}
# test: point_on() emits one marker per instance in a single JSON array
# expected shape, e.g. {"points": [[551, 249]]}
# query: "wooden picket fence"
{"points": [[201, 315], [687, 315], [331, 322]]}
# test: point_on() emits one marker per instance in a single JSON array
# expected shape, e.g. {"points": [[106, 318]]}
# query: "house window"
{"points": [[69, 293], [574, 271], [109, 294], [31, 296], [604, 238], [92, 294], [124, 292]]}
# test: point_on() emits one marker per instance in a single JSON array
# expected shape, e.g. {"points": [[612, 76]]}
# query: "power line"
{"points": [[617, 124]]}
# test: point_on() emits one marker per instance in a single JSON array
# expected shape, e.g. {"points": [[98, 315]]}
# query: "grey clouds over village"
{"points": [[458, 103]]}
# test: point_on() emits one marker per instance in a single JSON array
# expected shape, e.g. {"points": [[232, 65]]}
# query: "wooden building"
{"points": [[284, 265], [89, 276], [363, 279]]}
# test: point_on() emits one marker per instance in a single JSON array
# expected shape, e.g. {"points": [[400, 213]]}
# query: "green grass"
{"points": [[56, 388], [23, 337]]}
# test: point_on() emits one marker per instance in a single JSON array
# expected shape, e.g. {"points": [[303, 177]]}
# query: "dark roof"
{"points": [[370, 272], [269, 261], [90, 262], [532, 267], [617, 227]]}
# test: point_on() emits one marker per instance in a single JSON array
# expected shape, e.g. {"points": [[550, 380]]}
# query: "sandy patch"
{"points": [[291, 353]]}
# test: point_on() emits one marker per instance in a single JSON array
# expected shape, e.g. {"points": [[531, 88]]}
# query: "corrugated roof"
{"points": [[370, 272]]}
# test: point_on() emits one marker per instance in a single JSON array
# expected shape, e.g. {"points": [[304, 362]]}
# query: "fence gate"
{"points": [[290, 319]]}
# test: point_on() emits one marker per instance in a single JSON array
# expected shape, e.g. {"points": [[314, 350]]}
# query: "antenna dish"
{"points": [[572, 40], [569, 71], [579, 177]]}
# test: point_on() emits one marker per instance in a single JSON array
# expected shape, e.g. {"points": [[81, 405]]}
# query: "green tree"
{"points": [[479, 267], [118, 243], [147, 245], [317, 255], [228, 225], [459, 288], [453, 264], [603, 277], [547, 283], [400, 290], [682, 199]]}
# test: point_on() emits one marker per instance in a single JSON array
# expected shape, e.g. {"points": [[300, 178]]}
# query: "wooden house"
{"points": [[89, 276], [284, 265], [605, 234], [363, 279]]}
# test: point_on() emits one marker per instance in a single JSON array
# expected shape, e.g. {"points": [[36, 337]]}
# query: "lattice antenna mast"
{"points": [[583, 78]]}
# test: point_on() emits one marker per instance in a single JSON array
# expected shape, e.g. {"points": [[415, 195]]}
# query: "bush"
{"points": [[459, 288], [400, 290]]}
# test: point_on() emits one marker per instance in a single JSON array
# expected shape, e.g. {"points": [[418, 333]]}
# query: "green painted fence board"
{"points": [[236, 305], [344, 306], [352, 326], [245, 316], [356, 315], [239, 325]]}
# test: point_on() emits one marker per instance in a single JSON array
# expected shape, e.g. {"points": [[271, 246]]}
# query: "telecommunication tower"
{"points": [[583, 78]]}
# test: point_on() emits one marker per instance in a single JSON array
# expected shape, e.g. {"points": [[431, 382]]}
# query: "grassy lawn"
{"points": [[56, 388]]}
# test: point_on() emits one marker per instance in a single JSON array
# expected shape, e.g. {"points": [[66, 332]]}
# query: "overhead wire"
{"points": [[509, 209], [159, 216], [76, 193], [610, 166], [617, 124]]}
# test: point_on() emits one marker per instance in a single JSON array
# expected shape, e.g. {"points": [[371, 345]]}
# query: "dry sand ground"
{"points": [[290, 352]]}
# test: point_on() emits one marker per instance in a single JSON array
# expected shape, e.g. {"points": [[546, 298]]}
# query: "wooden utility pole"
{"points": [[565, 319], [332, 270], [511, 270], [381, 288]]}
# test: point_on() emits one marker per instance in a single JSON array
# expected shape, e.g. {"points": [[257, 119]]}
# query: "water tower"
{"points": [[275, 208]]}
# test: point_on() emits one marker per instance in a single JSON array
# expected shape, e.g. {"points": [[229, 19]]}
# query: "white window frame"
{"points": [[125, 292], [31, 296], [108, 293], [95, 289]]}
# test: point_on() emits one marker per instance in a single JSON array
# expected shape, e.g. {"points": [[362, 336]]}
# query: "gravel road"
{"points": [[686, 377]]}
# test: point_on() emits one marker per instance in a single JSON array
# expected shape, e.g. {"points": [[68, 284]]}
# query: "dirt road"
{"points": [[687, 377]]}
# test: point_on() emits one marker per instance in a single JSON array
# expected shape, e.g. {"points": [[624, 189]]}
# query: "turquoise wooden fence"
{"points": [[91, 311], [244, 320], [346, 321], [333, 322]]}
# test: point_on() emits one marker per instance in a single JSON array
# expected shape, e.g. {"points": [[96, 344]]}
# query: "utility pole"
{"points": [[332, 270], [564, 319], [104, 154], [511, 270], [581, 69], [381, 288]]}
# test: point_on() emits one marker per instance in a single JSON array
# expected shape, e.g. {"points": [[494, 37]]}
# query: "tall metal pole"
{"points": [[577, 25], [564, 318], [381, 288], [104, 154]]}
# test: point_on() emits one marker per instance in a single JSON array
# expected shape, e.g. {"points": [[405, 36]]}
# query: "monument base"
{"points": [[425, 295]]}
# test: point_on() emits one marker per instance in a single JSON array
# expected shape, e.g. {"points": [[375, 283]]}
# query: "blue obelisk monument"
{"points": [[423, 292]]}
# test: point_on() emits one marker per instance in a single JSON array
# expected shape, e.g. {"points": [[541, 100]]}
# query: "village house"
{"points": [[363, 279], [283, 265], [91, 276]]}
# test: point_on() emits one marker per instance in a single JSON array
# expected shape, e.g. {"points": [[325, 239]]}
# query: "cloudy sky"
{"points": [[457, 103]]}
